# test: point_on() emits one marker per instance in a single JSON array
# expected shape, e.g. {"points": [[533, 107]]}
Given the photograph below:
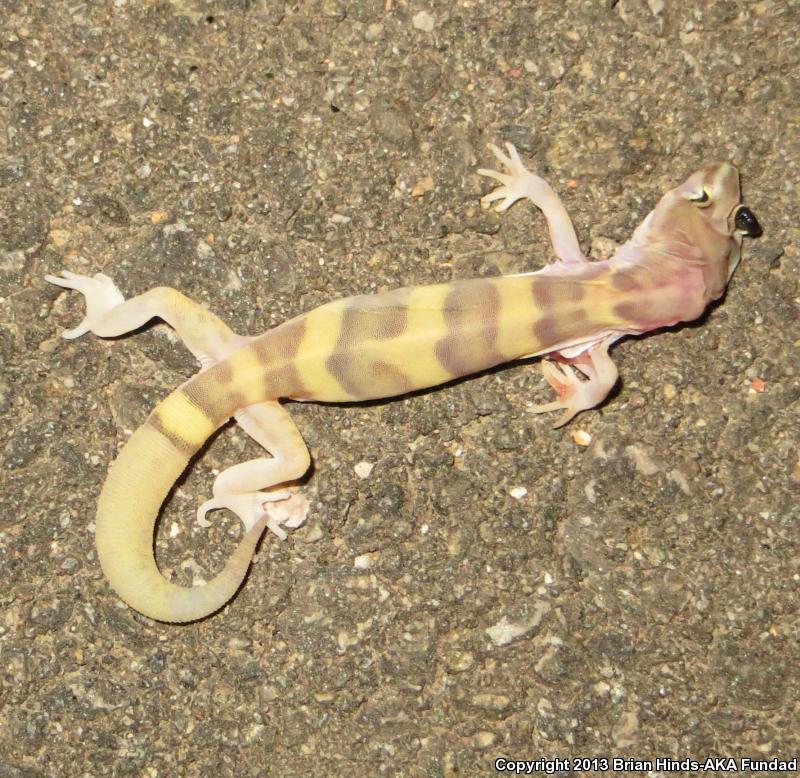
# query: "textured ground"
{"points": [[266, 158]]}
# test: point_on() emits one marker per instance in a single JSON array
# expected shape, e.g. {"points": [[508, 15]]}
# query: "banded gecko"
{"points": [[372, 346]]}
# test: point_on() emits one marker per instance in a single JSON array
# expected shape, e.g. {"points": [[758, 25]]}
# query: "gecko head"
{"points": [[703, 220], [714, 190]]}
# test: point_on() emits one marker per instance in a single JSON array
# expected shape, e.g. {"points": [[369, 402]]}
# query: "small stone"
{"points": [[346, 640], [680, 480], [364, 469], [484, 739], [491, 702], [581, 438], [60, 238], [365, 561], [642, 461], [624, 732], [423, 21], [461, 661], [504, 631], [373, 31], [422, 186], [204, 251]]}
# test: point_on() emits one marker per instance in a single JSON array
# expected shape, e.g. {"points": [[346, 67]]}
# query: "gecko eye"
{"points": [[703, 199]]}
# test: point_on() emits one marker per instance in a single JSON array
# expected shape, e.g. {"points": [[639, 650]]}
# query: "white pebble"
{"points": [[423, 21], [363, 469]]}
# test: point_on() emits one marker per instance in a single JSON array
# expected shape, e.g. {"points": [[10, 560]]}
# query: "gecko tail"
{"points": [[138, 482]]}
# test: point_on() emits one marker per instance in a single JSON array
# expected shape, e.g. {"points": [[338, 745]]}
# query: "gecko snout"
{"points": [[745, 221]]}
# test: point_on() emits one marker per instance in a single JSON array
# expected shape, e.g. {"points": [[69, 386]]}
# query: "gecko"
{"points": [[678, 260]]}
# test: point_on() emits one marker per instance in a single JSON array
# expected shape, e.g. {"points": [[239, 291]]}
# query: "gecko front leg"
{"points": [[575, 394], [519, 182]]}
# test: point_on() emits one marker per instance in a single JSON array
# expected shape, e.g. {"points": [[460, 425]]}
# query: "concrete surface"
{"points": [[265, 158]]}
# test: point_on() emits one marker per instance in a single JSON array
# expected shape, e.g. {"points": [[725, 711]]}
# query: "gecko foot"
{"points": [[575, 394], [516, 183], [283, 509], [99, 292], [565, 381]]}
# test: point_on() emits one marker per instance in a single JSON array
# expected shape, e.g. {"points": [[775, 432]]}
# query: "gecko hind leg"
{"points": [[109, 314], [576, 395], [241, 488], [517, 183], [100, 295]]}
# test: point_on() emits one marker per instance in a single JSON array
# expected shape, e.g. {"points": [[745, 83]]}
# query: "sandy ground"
{"points": [[265, 158]]}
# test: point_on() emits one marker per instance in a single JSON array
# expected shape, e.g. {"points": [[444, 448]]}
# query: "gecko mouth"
{"points": [[745, 221]]}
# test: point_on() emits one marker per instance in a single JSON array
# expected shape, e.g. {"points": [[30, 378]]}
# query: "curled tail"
{"points": [[137, 484]]}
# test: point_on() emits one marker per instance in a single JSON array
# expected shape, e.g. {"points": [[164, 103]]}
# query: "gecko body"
{"points": [[374, 346]]}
